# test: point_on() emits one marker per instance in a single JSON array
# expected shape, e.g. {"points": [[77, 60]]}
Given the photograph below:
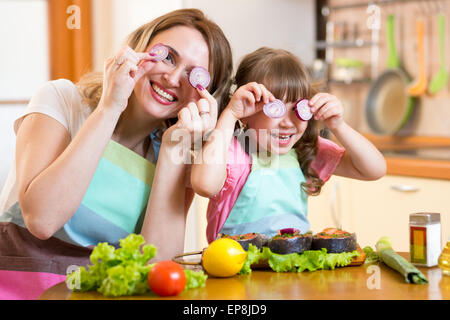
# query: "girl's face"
{"points": [[276, 135], [165, 88]]}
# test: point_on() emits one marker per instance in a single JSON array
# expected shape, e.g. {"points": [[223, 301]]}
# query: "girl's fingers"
{"points": [[256, 90], [319, 102], [329, 114], [267, 96], [248, 97], [328, 110]]}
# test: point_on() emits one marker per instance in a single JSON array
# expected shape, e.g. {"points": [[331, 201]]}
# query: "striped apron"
{"points": [[114, 206]]}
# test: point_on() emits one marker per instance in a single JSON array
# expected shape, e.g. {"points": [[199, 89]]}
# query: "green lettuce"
{"points": [[195, 279], [253, 256], [310, 260], [122, 271]]}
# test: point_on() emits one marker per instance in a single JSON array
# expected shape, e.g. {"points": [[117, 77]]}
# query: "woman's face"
{"points": [[165, 88], [276, 135]]}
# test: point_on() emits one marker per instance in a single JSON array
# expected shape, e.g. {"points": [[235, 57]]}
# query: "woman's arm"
{"points": [[361, 159], [209, 169], [53, 173], [170, 198], [165, 220]]}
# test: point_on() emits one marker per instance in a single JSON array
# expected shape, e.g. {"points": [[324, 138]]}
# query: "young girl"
{"points": [[250, 194]]}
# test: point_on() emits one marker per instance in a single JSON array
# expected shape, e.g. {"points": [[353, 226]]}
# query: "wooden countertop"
{"points": [[349, 283], [417, 163]]}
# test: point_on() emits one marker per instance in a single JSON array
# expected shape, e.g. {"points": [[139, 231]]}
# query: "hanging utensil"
{"points": [[388, 106], [441, 78], [419, 86]]}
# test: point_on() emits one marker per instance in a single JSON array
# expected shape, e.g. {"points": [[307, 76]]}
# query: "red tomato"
{"points": [[166, 278]]}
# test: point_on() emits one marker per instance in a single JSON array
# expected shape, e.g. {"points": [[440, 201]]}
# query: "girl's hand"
{"points": [[120, 75], [249, 99], [196, 119], [327, 108]]}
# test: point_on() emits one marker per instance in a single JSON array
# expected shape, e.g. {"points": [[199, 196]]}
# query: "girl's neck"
{"points": [[133, 128]]}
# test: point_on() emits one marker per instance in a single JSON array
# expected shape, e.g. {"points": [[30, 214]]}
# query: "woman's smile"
{"points": [[161, 94]]}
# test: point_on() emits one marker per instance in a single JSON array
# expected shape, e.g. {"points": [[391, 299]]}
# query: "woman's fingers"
{"points": [[185, 118], [212, 103], [126, 67]]}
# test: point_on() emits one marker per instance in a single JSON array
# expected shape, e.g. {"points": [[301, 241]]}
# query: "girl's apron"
{"points": [[114, 206], [271, 199]]}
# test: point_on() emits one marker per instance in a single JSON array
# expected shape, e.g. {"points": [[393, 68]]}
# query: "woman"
{"points": [[85, 167]]}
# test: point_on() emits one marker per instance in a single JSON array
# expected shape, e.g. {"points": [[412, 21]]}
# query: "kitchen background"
{"points": [[343, 42]]}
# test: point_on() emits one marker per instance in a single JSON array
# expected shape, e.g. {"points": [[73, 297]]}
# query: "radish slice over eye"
{"points": [[302, 110], [161, 52], [275, 109], [199, 76]]}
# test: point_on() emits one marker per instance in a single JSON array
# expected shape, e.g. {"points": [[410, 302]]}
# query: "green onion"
{"points": [[392, 259]]}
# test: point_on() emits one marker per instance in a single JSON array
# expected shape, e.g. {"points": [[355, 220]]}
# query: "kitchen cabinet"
{"points": [[379, 208]]}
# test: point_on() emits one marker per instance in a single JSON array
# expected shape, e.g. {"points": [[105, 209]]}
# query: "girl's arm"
{"points": [[209, 170], [53, 172], [361, 159]]}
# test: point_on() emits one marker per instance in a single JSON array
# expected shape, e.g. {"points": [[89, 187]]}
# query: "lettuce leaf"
{"points": [[195, 279], [122, 271], [254, 255], [310, 260]]}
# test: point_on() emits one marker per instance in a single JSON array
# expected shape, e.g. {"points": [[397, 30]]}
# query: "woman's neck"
{"points": [[133, 128]]}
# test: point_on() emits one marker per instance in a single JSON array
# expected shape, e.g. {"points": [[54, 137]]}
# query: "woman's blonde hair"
{"points": [[283, 74], [220, 56]]}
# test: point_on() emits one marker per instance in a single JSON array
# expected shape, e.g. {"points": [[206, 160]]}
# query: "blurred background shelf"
{"points": [[320, 45]]}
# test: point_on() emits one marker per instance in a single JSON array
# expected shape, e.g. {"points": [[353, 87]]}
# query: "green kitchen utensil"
{"points": [[388, 105], [393, 61], [441, 78]]}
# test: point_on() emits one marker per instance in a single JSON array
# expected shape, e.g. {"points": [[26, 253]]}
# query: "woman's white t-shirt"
{"points": [[60, 100]]}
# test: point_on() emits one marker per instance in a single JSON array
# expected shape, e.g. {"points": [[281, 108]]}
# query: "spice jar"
{"points": [[425, 238]]}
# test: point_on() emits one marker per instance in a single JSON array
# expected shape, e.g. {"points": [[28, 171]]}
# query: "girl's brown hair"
{"points": [[220, 56], [283, 74]]}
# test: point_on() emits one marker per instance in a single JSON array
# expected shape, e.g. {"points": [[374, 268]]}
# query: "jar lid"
{"points": [[425, 217]]}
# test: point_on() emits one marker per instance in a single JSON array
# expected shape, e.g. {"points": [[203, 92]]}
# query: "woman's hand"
{"points": [[249, 99], [121, 73], [327, 108], [194, 121]]}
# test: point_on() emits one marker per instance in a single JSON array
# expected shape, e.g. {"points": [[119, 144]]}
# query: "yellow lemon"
{"points": [[223, 258]]}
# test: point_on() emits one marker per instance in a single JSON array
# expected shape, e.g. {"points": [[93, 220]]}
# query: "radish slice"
{"points": [[302, 110], [289, 231], [199, 76], [161, 52], [275, 109]]}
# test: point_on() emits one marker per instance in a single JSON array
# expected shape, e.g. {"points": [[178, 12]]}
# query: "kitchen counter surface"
{"points": [[415, 156], [372, 282]]}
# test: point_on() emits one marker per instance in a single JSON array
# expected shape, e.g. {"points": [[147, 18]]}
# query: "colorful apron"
{"points": [[271, 199], [114, 206]]}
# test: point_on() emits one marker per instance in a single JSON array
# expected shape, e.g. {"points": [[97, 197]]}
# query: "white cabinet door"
{"points": [[379, 208]]}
